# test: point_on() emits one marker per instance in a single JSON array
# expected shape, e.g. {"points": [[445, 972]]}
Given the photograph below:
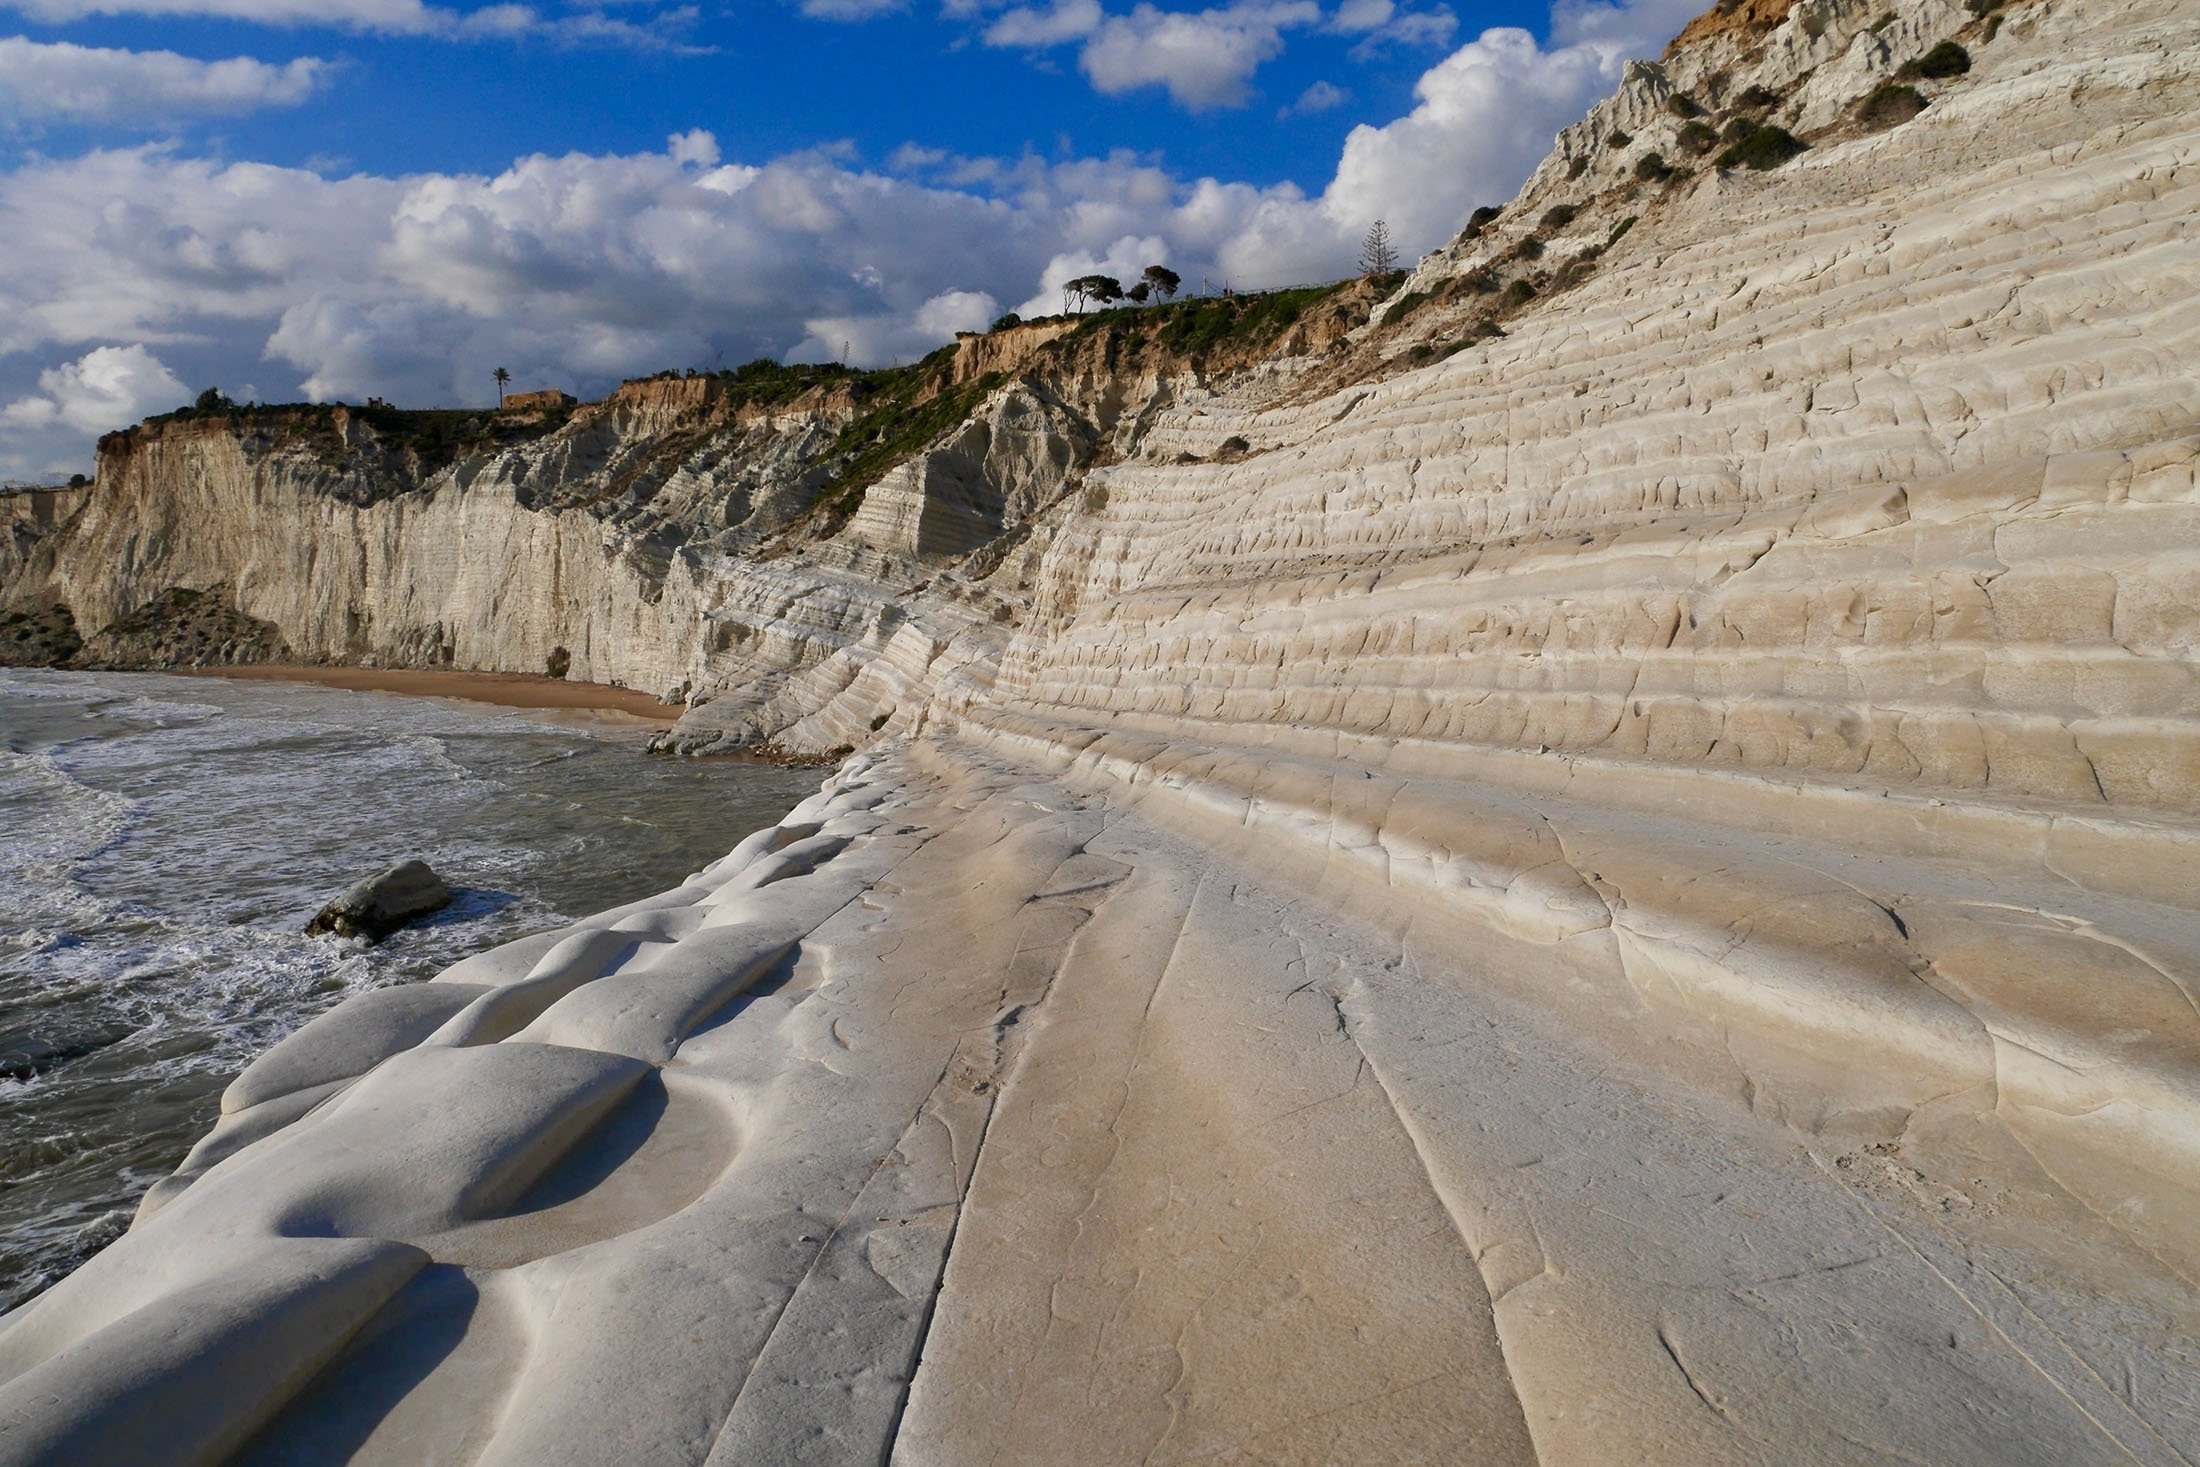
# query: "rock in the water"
{"points": [[380, 905]]}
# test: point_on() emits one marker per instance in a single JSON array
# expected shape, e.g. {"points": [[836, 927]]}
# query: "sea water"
{"points": [[164, 840]]}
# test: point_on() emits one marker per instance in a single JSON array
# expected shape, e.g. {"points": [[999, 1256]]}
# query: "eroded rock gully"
{"points": [[1628, 894]]}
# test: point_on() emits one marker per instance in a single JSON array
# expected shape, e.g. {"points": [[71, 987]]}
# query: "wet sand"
{"points": [[506, 689]]}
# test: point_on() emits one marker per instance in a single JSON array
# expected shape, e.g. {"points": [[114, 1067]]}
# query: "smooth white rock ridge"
{"points": [[1631, 894], [1147, 1109]]}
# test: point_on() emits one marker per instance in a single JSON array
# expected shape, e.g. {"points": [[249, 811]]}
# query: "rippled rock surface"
{"points": [[1616, 888]]}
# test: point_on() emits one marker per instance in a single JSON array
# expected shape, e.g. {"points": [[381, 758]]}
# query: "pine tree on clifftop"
{"points": [[1378, 256]]}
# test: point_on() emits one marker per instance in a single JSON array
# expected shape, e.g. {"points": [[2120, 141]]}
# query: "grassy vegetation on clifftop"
{"points": [[428, 439]]}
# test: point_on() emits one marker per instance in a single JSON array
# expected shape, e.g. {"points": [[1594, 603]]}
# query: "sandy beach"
{"points": [[1597, 863], [505, 689]]}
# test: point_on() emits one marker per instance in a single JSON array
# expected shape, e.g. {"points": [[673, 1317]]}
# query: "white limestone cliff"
{"points": [[1625, 890]]}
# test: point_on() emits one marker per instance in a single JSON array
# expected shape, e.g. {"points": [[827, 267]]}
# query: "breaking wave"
{"points": [[168, 838]]}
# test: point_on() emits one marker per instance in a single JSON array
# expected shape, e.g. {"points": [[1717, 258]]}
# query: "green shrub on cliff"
{"points": [[768, 383], [1406, 305], [1889, 106], [1763, 149], [895, 422], [424, 440], [1201, 326], [1944, 61], [435, 438], [39, 636]]}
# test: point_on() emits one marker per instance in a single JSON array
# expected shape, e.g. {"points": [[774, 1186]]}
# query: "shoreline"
{"points": [[526, 691], [1153, 959]]}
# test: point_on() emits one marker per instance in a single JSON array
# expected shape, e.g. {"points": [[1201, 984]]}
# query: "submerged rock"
{"points": [[381, 905]]}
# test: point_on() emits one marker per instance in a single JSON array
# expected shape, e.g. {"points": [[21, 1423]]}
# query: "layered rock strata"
{"points": [[1629, 893]]}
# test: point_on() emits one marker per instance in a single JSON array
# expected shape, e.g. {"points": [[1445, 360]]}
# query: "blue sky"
{"points": [[768, 80], [336, 198]]}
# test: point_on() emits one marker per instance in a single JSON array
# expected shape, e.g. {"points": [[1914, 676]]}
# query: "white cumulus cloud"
{"points": [[848, 9], [1363, 15], [390, 17], [1063, 20], [698, 148], [1204, 58], [577, 270], [62, 82], [1322, 96], [44, 432], [398, 16]]}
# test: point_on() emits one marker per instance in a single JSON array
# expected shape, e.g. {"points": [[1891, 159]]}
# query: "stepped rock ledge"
{"points": [[1594, 862]]}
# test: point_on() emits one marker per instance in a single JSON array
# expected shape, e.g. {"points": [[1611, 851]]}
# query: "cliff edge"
{"points": [[1595, 860]]}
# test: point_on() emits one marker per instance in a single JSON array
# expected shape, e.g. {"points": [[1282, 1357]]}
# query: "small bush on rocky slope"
{"points": [[1406, 305], [1437, 351], [1578, 269], [1889, 106], [1473, 283], [1763, 148], [1943, 62]]}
